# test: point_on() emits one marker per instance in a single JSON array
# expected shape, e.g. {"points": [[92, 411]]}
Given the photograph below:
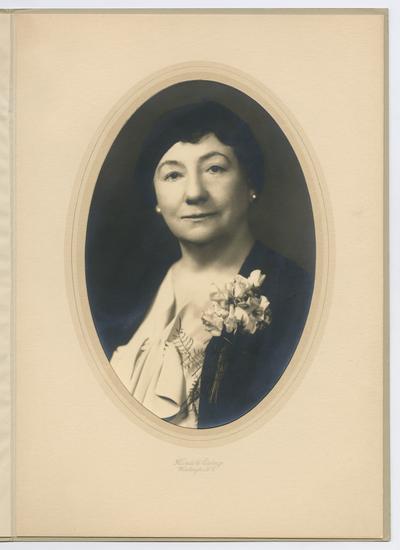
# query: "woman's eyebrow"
{"points": [[212, 154], [169, 162]]}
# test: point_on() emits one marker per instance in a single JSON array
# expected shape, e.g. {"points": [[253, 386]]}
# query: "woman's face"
{"points": [[201, 190]]}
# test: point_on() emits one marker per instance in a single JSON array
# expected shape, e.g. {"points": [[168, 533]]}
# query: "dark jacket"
{"points": [[253, 363]]}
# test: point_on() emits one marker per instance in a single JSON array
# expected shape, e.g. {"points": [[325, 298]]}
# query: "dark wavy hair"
{"points": [[189, 123]]}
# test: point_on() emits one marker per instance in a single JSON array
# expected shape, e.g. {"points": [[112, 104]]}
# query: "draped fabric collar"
{"points": [[150, 364]]}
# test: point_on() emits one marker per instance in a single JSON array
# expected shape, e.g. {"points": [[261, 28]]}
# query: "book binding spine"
{"points": [[6, 293]]}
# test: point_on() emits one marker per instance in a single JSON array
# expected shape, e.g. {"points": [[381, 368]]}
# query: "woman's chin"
{"points": [[198, 236], [198, 240]]}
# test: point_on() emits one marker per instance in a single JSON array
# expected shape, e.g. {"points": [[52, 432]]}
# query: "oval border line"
{"points": [[76, 238]]}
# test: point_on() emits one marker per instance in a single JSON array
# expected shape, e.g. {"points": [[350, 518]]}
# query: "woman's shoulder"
{"points": [[279, 270], [116, 329]]}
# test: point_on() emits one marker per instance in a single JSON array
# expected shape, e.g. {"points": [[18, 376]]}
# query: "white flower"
{"points": [[231, 322], [256, 278], [213, 318], [239, 306], [221, 297], [240, 286]]}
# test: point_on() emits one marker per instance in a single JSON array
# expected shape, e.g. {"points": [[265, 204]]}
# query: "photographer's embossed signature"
{"points": [[197, 465]]}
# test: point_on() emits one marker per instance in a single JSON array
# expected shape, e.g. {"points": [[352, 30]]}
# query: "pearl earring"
{"points": [[253, 196], [158, 209]]}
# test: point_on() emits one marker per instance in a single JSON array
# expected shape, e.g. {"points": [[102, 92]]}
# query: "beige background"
{"points": [[83, 466]]}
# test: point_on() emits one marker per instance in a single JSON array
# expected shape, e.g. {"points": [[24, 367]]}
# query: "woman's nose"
{"points": [[195, 191]]}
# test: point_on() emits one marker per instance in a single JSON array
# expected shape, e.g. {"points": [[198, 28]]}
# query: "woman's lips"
{"points": [[198, 215]]}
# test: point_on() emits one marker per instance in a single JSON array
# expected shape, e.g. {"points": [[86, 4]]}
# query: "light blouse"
{"points": [[161, 365]]}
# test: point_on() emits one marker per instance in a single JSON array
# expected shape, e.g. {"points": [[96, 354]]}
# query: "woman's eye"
{"points": [[172, 176], [216, 169]]}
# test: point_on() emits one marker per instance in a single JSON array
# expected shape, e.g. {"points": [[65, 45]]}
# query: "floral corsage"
{"points": [[237, 307]]}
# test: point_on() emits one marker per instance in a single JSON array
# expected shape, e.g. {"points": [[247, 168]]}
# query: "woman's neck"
{"points": [[223, 254]]}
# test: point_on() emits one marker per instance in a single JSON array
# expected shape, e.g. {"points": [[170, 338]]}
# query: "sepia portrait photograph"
{"points": [[199, 258], [200, 254]]}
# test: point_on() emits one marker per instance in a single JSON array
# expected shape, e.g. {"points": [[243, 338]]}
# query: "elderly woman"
{"points": [[216, 335]]}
